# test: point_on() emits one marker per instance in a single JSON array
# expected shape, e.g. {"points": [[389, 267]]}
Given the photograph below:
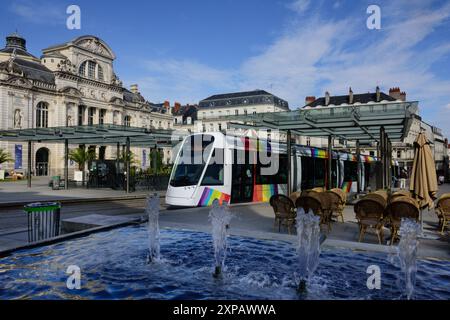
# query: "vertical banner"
{"points": [[144, 158], [18, 156]]}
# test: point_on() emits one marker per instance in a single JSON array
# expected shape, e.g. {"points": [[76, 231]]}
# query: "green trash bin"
{"points": [[55, 182], [43, 220]]}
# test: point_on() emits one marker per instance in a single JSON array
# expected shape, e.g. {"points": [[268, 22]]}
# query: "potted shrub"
{"points": [[5, 157]]}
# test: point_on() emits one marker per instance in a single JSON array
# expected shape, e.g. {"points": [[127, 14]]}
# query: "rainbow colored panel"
{"points": [[209, 195], [368, 159], [318, 153], [346, 186], [263, 193]]}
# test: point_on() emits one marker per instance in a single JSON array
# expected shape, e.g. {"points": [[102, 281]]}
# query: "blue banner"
{"points": [[18, 156], [144, 158]]}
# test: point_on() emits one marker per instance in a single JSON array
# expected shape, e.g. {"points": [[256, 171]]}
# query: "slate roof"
{"points": [[132, 97], [19, 52], [361, 98], [186, 111], [242, 99], [31, 70], [237, 95]]}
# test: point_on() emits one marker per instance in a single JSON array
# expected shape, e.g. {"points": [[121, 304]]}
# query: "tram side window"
{"points": [[350, 171], [278, 178], [215, 171], [307, 173], [319, 172]]}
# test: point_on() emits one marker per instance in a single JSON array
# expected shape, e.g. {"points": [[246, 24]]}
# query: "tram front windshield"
{"points": [[191, 161]]}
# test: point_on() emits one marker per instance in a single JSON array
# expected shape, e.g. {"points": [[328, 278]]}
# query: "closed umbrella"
{"points": [[423, 184]]}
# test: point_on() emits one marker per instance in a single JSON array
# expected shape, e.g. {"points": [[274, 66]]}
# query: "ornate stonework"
{"points": [[94, 46]]}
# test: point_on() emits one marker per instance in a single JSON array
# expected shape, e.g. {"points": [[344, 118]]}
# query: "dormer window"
{"points": [[92, 70]]}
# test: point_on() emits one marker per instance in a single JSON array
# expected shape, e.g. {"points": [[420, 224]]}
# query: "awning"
{"points": [[353, 122], [98, 134]]}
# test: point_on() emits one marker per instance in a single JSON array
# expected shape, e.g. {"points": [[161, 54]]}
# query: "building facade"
{"points": [[402, 152], [72, 84], [212, 110]]}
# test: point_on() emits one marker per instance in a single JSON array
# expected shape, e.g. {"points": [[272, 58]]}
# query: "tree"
{"points": [[5, 156], [80, 156], [156, 160], [131, 158]]}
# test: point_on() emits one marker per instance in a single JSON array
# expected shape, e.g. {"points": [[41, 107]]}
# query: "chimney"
{"points": [[395, 93], [177, 107], [166, 105], [327, 98], [378, 94], [403, 96], [350, 96], [134, 88], [309, 100]]}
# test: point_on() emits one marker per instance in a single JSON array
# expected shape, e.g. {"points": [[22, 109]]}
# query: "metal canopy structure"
{"points": [[98, 134], [352, 123], [370, 123]]}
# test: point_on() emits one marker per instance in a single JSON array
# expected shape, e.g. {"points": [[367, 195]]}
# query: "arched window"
{"points": [[92, 70], [127, 121], [99, 72], [42, 115]]}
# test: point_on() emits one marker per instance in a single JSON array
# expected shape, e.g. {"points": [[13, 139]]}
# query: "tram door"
{"points": [[242, 178]]}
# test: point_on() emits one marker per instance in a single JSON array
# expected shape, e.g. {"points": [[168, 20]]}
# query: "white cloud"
{"points": [[182, 80], [316, 54], [39, 12], [299, 6]]}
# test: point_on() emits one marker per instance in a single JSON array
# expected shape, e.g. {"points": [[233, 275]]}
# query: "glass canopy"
{"points": [[100, 134], [351, 122]]}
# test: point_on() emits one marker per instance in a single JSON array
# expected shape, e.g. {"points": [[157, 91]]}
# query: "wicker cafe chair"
{"points": [[295, 195], [369, 213], [398, 194], [382, 193], [443, 211], [284, 211], [319, 203], [401, 207], [338, 205]]}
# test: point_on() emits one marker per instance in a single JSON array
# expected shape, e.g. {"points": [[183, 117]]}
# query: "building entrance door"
{"points": [[42, 156]]}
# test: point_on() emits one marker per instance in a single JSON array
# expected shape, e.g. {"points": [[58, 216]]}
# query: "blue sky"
{"points": [[186, 50]]}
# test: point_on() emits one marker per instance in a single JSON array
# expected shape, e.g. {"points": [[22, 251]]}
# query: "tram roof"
{"points": [[351, 122], [100, 134]]}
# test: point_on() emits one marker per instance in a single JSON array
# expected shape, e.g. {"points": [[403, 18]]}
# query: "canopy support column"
{"points": [[83, 174], [155, 161], [289, 152], [382, 158], [388, 162], [330, 161], [66, 164], [128, 167], [29, 165], [118, 164], [358, 168]]}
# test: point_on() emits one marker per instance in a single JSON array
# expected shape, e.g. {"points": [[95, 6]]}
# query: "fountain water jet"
{"points": [[220, 217], [152, 210], [308, 247], [407, 252]]}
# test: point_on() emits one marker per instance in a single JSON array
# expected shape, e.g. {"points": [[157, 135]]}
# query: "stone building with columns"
{"points": [[71, 84]]}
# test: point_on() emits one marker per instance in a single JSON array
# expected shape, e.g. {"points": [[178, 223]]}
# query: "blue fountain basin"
{"points": [[113, 265]]}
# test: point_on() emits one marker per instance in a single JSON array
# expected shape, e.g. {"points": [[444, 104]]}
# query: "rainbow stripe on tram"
{"points": [[346, 186], [209, 195], [262, 193]]}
